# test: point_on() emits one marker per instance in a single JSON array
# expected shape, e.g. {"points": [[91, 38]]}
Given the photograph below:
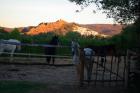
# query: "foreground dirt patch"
{"points": [[39, 73], [59, 79]]}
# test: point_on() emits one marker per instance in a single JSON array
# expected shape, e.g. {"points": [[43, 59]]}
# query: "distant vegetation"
{"points": [[129, 37], [45, 38]]}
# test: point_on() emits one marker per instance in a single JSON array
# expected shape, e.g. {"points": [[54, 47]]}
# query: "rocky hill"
{"points": [[107, 29], [62, 27]]}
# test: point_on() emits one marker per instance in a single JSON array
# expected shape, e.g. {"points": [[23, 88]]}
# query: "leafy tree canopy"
{"points": [[15, 34], [123, 11]]}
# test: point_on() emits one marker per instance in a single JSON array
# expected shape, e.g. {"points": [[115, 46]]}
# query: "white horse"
{"points": [[75, 52], [10, 46]]}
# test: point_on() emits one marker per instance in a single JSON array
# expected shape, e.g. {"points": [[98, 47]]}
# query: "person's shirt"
{"points": [[88, 52]]}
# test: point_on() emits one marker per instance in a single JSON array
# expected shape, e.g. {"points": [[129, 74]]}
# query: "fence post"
{"points": [[81, 66], [127, 68]]}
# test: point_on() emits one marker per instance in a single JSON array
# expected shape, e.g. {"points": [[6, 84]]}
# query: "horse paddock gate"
{"points": [[107, 70]]}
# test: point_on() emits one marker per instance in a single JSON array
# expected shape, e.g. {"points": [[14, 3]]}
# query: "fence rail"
{"points": [[35, 50], [38, 55], [29, 44]]}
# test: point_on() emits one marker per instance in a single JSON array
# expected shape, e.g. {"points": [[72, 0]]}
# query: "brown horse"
{"points": [[103, 51], [51, 50]]}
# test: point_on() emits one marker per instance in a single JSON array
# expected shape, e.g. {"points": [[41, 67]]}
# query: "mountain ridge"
{"points": [[109, 29], [62, 27]]}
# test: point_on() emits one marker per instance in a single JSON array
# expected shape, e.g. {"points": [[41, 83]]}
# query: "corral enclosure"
{"points": [[111, 72], [35, 53]]}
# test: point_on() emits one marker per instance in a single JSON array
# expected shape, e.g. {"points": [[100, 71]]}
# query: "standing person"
{"points": [[51, 50], [88, 52]]}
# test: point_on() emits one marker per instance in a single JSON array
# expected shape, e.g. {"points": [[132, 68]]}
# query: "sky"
{"points": [[22, 13]]}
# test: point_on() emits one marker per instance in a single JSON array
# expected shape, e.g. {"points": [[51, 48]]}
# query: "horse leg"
{"points": [[11, 58], [53, 60], [48, 53], [102, 61], [11, 55], [48, 59], [1, 50], [90, 70], [53, 52], [87, 69]]}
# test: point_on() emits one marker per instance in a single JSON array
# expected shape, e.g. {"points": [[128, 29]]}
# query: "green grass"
{"points": [[20, 87]]}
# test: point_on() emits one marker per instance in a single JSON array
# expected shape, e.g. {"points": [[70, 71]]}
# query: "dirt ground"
{"points": [[60, 79]]}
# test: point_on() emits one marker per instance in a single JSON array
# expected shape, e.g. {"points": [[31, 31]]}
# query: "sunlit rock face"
{"points": [[59, 26], [87, 32], [62, 27]]}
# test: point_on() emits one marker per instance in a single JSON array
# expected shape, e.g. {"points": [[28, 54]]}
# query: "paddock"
{"points": [[114, 72]]}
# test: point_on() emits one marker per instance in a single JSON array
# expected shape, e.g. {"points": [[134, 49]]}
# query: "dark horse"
{"points": [[51, 50], [90, 51], [103, 51]]}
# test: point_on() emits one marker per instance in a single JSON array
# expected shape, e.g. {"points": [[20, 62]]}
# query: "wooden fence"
{"points": [[107, 70]]}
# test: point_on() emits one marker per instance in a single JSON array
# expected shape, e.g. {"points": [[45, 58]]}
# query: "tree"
{"points": [[123, 11], [2, 30], [15, 34], [3, 33], [72, 35]]}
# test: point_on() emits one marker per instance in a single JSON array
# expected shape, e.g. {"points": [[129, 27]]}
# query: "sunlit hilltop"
{"points": [[62, 27]]}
